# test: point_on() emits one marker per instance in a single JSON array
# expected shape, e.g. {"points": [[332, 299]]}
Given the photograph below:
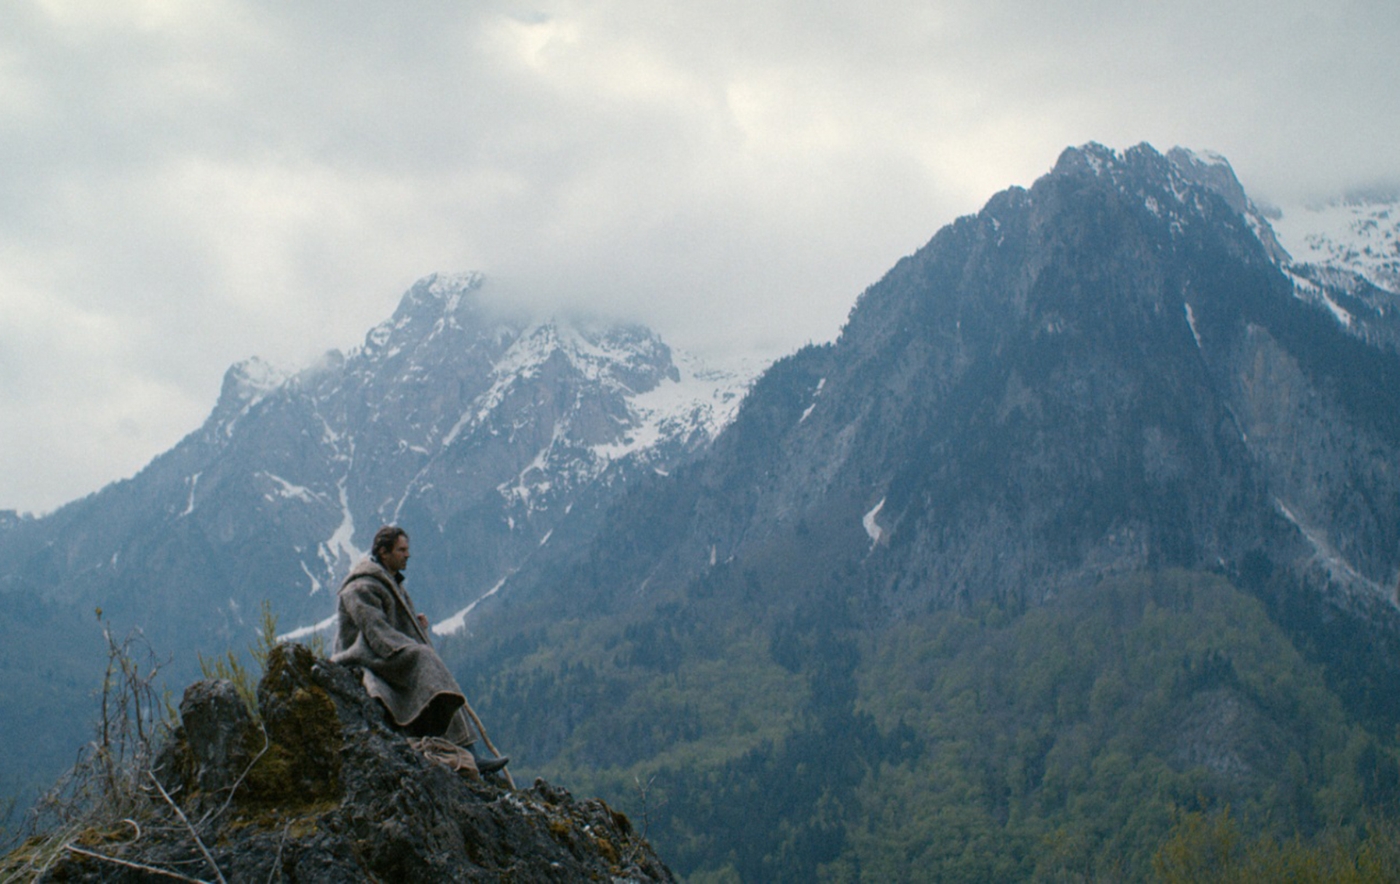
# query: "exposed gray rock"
{"points": [[216, 727], [336, 796], [1226, 733]]}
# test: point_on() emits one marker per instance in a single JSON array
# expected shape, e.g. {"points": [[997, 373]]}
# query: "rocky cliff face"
{"points": [[1114, 375], [319, 789], [1111, 371]]}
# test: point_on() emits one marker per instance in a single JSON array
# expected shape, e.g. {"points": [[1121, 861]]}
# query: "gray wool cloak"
{"points": [[378, 630]]}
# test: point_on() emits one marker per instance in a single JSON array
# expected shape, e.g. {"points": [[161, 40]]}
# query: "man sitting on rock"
{"points": [[379, 631]]}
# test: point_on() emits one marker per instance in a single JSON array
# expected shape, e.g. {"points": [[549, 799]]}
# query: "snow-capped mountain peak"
{"points": [[245, 385], [1343, 256], [1175, 187], [437, 305], [250, 380], [488, 430]]}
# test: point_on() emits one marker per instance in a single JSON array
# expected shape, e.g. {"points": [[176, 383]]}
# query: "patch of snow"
{"points": [[704, 400], [189, 504], [340, 548], [1338, 311], [532, 481], [1191, 321], [287, 490], [1302, 285], [302, 632], [872, 528], [593, 352], [521, 360], [1239, 428], [1359, 235], [820, 384], [378, 336], [458, 621], [315, 582], [1337, 567], [328, 436]]}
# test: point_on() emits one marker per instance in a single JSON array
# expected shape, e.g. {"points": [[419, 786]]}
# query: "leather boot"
{"points": [[488, 763]]}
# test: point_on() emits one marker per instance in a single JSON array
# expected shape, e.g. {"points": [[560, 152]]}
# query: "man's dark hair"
{"points": [[384, 540]]}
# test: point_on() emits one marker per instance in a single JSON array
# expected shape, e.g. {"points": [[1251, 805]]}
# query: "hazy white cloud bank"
{"points": [[185, 185]]}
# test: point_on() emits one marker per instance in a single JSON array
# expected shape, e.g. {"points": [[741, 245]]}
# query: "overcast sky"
{"points": [[186, 184]]}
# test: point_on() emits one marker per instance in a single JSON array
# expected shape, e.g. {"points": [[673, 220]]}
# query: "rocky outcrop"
{"points": [[318, 788]]}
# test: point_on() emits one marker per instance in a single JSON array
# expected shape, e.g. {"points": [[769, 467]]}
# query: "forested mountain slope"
{"points": [[1090, 514]]}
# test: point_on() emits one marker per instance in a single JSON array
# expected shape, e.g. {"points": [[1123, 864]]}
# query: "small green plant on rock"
{"points": [[106, 796], [138, 778], [230, 668]]}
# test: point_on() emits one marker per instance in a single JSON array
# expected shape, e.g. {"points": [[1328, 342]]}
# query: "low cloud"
{"points": [[189, 186]]}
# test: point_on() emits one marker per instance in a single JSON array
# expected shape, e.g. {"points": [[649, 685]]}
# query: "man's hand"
{"points": [[423, 621]]}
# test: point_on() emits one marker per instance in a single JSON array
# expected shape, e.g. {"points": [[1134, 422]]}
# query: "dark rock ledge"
{"points": [[321, 790]]}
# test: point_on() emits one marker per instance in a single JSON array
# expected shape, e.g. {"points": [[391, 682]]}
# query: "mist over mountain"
{"points": [[1116, 369]]}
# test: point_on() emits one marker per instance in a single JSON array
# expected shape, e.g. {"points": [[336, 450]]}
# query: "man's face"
{"points": [[396, 559]]}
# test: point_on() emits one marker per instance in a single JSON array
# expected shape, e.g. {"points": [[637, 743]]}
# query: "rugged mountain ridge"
{"points": [[450, 418], [483, 433], [1116, 374], [1112, 370]]}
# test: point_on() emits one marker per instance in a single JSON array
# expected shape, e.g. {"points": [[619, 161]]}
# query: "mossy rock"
{"points": [[301, 764], [216, 741]]}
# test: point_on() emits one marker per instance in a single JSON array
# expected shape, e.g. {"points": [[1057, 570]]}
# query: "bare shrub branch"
{"points": [[199, 842], [154, 870]]}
